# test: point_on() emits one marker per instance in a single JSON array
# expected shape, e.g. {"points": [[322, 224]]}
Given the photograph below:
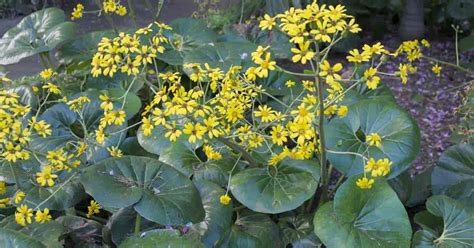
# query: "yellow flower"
{"points": [[372, 80], [300, 131], [121, 10], [356, 57], [403, 71], [437, 70], [3, 187], [46, 177], [211, 124], [12, 152], [211, 154], [4, 79], [330, 72], [267, 23], [173, 133], [290, 83], [106, 104], [195, 132], [4, 202], [93, 208], [365, 183], [342, 111], [279, 135], [47, 74], [147, 127], [264, 66], [77, 11], [42, 217], [116, 117], [225, 199], [53, 89], [265, 113], [19, 197], [115, 152], [302, 54], [376, 48], [23, 215], [425, 43], [374, 139]]}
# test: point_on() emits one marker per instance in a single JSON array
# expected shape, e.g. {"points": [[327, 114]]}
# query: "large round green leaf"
{"points": [[218, 219], [66, 193], [274, 189], [455, 229], [161, 239], [454, 173], [363, 218], [185, 37], [39, 32], [253, 230], [66, 128], [221, 54], [399, 132], [82, 48], [156, 190], [15, 239]]}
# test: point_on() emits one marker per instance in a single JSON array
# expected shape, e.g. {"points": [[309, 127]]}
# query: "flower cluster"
{"points": [[128, 53], [23, 215], [108, 6]]}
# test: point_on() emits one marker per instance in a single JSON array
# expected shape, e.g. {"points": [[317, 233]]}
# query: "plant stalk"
{"points": [[138, 221]]}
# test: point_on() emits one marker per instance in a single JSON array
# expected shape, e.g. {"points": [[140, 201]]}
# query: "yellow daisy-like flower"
{"points": [[42, 216], [115, 152], [77, 11], [23, 215], [268, 22], [47, 74], [93, 208], [365, 183], [225, 199], [46, 176], [302, 54], [374, 139], [437, 70]]}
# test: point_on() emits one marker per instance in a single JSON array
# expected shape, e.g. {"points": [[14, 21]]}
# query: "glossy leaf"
{"points": [[399, 132], [156, 190], [161, 239], [274, 189], [221, 54], [454, 172], [455, 229], [15, 239], [253, 230], [218, 220], [363, 218], [82, 48], [39, 32]]}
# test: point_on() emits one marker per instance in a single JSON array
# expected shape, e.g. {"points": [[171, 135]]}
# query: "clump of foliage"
{"points": [[168, 137]]}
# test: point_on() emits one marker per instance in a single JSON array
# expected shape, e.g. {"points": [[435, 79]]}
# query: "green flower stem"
{"points": [[44, 63], [158, 11], [138, 221], [449, 64], [17, 183], [295, 73], [240, 150], [56, 191], [107, 17]]}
